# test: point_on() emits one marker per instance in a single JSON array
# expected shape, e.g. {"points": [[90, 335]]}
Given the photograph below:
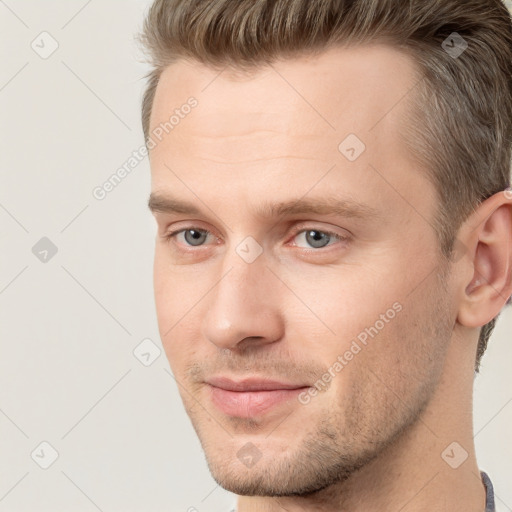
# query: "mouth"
{"points": [[252, 397]]}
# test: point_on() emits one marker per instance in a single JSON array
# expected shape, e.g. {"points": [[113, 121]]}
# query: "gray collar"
{"points": [[489, 500]]}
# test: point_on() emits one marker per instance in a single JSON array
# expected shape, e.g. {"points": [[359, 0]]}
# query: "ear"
{"points": [[486, 284]]}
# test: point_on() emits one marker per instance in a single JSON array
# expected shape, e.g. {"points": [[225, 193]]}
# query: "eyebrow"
{"points": [[159, 203]]}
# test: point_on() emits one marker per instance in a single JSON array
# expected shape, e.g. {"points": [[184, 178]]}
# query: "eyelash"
{"points": [[169, 236]]}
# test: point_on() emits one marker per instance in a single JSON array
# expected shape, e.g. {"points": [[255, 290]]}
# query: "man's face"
{"points": [[351, 297]]}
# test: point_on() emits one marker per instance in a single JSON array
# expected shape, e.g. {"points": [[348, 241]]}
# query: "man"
{"points": [[329, 180]]}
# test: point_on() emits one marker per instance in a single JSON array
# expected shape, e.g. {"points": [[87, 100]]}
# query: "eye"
{"points": [[313, 238], [317, 239], [192, 236]]}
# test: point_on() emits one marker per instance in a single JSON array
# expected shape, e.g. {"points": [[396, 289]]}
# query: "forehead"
{"points": [[363, 82], [284, 122]]}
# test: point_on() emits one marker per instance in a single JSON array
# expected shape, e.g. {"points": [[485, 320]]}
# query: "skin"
{"points": [[373, 440]]}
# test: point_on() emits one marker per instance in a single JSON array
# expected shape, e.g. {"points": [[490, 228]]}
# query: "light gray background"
{"points": [[69, 326]]}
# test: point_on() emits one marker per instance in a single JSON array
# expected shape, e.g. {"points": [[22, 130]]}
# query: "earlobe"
{"points": [[489, 262]]}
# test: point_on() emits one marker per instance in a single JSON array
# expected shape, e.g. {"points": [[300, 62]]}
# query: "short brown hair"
{"points": [[460, 123]]}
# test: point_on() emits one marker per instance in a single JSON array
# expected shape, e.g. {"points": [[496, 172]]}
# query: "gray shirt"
{"points": [[489, 501]]}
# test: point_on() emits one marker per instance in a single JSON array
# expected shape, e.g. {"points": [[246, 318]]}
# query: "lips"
{"points": [[252, 396], [252, 384]]}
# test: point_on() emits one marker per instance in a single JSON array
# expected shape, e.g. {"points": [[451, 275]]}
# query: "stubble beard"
{"points": [[342, 442]]}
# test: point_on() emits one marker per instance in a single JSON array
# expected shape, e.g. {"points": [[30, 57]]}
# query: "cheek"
{"points": [[180, 347], [402, 363], [379, 337], [172, 310], [174, 287], [356, 314]]}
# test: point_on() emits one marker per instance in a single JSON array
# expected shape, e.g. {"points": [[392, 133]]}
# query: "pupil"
{"points": [[192, 235], [316, 238]]}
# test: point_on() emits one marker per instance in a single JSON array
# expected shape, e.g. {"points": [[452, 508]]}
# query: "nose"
{"points": [[244, 306]]}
